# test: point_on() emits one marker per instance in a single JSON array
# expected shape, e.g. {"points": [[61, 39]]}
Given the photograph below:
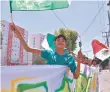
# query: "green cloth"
{"points": [[38, 5]]}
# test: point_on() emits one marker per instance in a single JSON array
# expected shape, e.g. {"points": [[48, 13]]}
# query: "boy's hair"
{"points": [[59, 36]]}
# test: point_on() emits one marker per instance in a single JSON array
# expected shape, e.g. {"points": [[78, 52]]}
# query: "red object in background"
{"points": [[97, 46]]}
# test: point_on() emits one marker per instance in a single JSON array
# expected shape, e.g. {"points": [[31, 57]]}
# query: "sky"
{"points": [[77, 17]]}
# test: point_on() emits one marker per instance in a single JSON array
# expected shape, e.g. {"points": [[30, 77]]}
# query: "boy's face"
{"points": [[60, 43]]}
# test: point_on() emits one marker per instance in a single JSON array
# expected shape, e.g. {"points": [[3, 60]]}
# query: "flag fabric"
{"points": [[47, 78], [88, 81], [38, 5], [100, 50], [48, 42]]}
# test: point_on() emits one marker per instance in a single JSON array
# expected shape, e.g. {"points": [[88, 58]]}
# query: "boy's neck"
{"points": [[60, 51]]}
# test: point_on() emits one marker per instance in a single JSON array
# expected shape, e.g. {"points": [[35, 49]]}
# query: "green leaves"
{"points": [[70, 35]]}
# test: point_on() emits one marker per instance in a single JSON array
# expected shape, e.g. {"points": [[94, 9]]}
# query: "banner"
{"points": [[47, 78], [88, 80], [42, 78]]}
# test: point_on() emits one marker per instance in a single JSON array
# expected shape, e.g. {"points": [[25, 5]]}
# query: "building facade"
{"points": [[11, 48]]}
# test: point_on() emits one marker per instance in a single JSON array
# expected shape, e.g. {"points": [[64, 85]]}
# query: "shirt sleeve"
{"points": [[45, 54], [72, 64]]}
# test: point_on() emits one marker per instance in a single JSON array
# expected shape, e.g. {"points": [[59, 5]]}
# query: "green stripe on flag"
{"points": [[38, 5], [48, 42], [51, 39]]}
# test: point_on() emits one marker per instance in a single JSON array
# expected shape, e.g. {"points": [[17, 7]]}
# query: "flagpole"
{"points": [[10, 2], [11, 17]]}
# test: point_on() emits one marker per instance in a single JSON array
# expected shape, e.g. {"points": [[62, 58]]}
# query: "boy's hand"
{"points": [[13, 27], [79, 54]]}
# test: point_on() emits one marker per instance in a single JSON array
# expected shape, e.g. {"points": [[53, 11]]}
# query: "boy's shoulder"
{"points": [[70, 56]]}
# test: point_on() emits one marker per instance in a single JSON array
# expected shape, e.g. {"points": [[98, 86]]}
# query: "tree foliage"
{"points": [[70, 35]]}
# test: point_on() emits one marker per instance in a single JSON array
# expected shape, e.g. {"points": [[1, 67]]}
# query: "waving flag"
{"points": [[48, 42], [38, 5], [100, 50]]}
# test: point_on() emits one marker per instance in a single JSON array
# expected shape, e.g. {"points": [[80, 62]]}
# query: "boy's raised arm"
{"points": [[23, 42]]}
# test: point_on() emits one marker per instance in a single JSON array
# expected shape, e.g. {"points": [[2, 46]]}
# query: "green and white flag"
{"points": [[48, 42], [38, 5]]}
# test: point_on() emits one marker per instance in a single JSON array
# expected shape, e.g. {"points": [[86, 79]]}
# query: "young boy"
{"points": [[57, 57]]}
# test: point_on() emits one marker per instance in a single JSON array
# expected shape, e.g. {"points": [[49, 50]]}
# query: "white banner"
{"points": [[47, 78], [35, 79]]}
